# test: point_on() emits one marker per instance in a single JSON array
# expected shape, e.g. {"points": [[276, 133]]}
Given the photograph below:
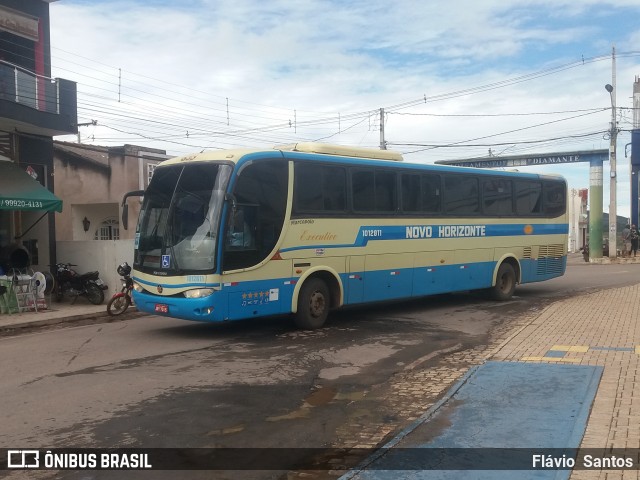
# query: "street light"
{"points": [[613, 216]]}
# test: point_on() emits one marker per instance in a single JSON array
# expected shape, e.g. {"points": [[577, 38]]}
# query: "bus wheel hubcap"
{"points": [[317, 304]]}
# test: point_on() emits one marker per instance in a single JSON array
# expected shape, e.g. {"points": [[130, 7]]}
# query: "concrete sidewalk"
{"points": [[81, 312]]}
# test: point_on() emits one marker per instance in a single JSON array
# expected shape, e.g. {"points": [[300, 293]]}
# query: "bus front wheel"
{"points": [[313, 304], [505, 283]]}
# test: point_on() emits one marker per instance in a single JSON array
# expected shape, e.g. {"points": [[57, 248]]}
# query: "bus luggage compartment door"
{"points": [[354, 285], [388, 276]]}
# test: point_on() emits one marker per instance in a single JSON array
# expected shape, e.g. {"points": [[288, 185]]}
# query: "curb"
{"points": [[71, 320]]}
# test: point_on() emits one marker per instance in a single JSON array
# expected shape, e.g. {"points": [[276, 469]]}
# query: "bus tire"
{"points": [[505, 283], [313, 304]]}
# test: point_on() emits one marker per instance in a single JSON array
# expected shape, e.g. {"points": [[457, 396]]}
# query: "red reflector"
{"points": [[276, 256]]}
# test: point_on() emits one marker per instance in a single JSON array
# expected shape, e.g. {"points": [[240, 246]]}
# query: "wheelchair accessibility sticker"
{"points": [[166, 261]]}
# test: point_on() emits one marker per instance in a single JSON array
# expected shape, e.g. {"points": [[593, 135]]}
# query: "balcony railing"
{"points": [[22, 86]]}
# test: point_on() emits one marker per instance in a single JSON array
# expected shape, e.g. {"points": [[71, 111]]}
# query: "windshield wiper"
{"points": [[169, 243]]}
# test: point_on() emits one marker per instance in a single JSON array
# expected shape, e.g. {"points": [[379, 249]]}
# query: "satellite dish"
{"points": [[41, 283]]}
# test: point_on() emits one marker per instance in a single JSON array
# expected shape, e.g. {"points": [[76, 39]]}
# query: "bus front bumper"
{"points": [[205, 309]]}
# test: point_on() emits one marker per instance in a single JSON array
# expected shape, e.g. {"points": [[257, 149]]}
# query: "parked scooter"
{"points": [[121, 300], [71, 284]]}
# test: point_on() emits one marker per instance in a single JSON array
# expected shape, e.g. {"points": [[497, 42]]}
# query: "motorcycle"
{"points": [[121, 300], [68, 283]]}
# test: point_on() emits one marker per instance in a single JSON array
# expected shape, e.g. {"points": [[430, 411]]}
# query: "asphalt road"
{"points": [[158, 382]]}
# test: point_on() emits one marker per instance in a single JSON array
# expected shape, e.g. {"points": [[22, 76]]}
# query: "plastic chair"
{"points": [[8, 300], [4, 298], [25, 287]]}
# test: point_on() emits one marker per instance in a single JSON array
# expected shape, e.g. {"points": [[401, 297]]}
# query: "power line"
{"points": [[497, 144], [198, 117], [501, 133]]}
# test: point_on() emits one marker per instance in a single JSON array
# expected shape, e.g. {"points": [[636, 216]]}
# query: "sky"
{"points": [[457, 79]]}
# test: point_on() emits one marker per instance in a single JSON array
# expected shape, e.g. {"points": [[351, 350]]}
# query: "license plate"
{"points": [[162, 308]]}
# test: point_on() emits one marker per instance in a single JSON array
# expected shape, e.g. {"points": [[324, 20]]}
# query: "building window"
{"points": [[109, 230]]}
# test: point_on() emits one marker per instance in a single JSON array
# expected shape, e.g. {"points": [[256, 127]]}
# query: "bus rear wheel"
{"points": [[505, 283], [313, 304]]}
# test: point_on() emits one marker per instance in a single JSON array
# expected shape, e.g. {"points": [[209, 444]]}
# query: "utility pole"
{"points": [[635, 154], [613, 137], [87, 124], [383, 143]]}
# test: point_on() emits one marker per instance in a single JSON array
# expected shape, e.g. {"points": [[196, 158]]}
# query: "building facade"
{"points": [[33, 109], [92, 180]]}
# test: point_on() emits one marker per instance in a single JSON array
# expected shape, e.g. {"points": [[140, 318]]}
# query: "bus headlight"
{"points": [[198, 292], [137, 287]]}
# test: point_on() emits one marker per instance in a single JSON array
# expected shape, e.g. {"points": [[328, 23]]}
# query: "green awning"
{"points": [[18, 191]]}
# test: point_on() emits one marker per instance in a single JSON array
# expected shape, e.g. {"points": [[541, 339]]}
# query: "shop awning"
{"points": [[18, 191]]}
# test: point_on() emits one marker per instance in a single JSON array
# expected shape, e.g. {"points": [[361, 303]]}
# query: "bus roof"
{"points": [[304, 147], [311, 148], [329, 149]]}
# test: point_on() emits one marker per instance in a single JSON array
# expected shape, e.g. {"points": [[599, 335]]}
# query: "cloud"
{"points": [[283, 71]]}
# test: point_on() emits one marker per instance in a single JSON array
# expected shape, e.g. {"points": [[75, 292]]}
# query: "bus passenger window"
{"points": [[386, 196], [554, 198], [334, 188], [497, 198], [319, 189], [364, 191], [431, 193], [411, 194], [461, 195], [528, 198], [308, 190]]}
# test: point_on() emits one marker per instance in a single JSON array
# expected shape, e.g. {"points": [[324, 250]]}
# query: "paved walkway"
{"points": [[598, 329], [601, 328]]}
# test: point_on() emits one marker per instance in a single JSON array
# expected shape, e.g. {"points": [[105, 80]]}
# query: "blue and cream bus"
{"points": [[306, 228]]}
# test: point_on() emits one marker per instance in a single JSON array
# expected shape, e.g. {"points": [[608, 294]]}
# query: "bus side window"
{"points": [[364, 191], [386, 191], [528, 198], [319, 189], [241, 233], [554, 198], [411, 194], [461, 195], [431, 197], [496, 197], [260, 196]]}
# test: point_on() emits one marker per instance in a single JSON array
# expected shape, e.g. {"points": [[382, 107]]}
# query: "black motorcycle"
{"points": [[68, 283]]}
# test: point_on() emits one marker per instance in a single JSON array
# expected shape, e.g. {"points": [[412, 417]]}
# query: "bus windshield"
{"points": [[180, 218]]}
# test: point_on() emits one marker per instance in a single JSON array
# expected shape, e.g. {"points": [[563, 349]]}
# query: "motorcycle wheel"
{"points": [[118, 305], [95, 294]]}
